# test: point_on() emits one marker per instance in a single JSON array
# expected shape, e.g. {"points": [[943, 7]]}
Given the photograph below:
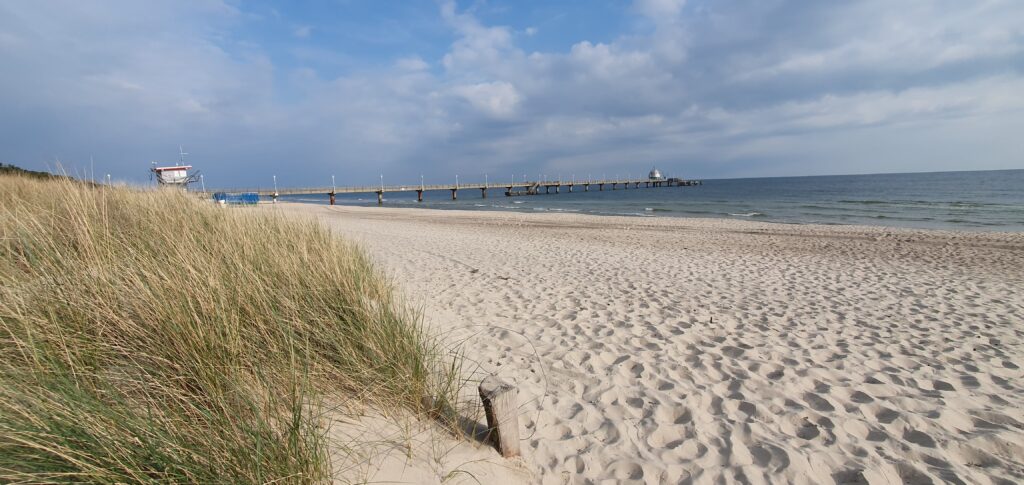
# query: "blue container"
{"points": [[245, 198]]}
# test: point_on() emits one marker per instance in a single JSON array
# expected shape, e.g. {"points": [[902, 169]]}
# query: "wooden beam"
{"points": [[499, 399]]}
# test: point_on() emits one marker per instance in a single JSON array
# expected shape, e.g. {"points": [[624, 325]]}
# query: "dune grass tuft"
{"points": [[149, 336]]}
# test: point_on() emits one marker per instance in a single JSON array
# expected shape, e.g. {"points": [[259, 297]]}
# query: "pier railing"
{"points": [[510, 188]]}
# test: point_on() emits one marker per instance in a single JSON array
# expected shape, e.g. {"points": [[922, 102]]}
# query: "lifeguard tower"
{"points": [[176, 175]]}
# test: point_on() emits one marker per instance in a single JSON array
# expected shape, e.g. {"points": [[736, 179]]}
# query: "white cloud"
{"points": [[496, 99], [719, 86]]}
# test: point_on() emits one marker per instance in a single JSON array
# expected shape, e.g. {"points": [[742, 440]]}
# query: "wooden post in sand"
{"points": [[499, 399]]}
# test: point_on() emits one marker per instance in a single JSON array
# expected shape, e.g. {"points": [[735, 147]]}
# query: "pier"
{"points": [[509, 189]]}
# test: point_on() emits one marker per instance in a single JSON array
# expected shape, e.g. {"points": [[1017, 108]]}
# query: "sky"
{"points": [[363, 88]]}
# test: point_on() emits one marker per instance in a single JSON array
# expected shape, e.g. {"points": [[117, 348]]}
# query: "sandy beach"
{"points": [[665, 350]]}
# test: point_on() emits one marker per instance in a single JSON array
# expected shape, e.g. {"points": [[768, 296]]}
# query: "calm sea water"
{"points": [[987, 201]]}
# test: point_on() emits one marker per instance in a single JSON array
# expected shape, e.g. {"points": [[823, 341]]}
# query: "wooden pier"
{"points": [[508, 189]]}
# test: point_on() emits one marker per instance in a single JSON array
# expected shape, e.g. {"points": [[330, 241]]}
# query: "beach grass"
{"points": [[150, 336]]}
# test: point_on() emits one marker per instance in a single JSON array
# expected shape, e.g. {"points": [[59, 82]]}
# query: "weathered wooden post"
{"points": [[455, 194], [419, 195], [499, 399], [380, 197], [483, 192]]}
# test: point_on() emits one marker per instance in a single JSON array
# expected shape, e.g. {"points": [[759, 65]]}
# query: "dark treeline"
{"points": [[7, 169]]}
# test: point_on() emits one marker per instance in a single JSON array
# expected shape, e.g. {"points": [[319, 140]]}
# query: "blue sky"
{"points": [[352, 88]]}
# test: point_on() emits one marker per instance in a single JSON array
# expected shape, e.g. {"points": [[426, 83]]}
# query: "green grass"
{"points": [[149, 336]]}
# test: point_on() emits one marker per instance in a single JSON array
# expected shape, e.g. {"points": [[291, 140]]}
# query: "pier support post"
{"points": [[570, 188], [547, 189], [455, 194], [380, 197], [273, 198], [508, 193], [586, 187], [600, 187], [557, 187], [613, 185], [483, 192], [499, 398], [332, 197], [419, 195]]}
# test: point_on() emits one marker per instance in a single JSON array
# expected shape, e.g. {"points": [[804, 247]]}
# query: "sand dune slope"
{"points": [[665, 350]]}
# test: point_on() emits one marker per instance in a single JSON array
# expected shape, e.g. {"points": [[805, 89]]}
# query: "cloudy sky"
{"points": [[356, 88]]}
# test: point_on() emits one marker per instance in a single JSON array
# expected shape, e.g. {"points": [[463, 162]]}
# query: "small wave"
{"points": [[479, 205], [746, 214], [865, 202], [517, 201]]}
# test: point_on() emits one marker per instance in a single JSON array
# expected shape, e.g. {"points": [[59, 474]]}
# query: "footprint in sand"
{"points": [[625, 470], [667, 437], [801, 427], [607, 433], [970, 456], [881, 414], [818, 403], [673, 414], [918, 438]]}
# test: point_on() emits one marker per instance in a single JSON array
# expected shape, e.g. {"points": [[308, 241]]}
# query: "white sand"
{"points": [[667, 350]]}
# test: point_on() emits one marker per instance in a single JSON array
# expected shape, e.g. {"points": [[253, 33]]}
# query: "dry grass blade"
{"points": [[147, 336]]}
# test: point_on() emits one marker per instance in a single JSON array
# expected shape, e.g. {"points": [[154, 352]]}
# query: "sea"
{"points": [[975, 200]]}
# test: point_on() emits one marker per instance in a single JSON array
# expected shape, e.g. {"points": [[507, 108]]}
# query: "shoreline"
{"points": [[984, 229], [666, 349], [586, 220]]}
